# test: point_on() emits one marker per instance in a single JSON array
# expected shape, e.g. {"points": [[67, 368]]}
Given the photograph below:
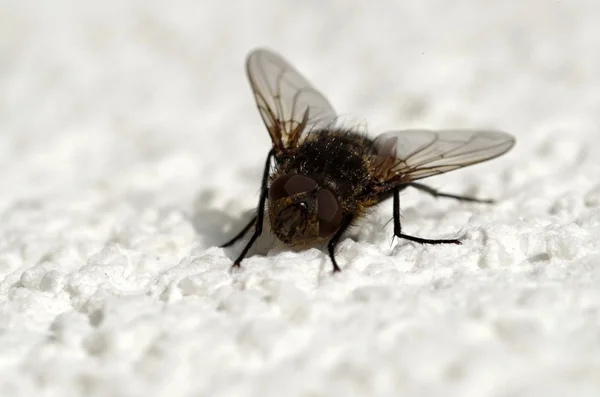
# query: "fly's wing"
{"points": [[287, 102], [408, 155]]}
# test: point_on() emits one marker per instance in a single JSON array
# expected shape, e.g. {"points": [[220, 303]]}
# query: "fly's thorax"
{"points": [[301, 211], [338, 159]]}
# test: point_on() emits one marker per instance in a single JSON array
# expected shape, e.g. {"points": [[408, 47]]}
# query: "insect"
{"points": [[325, 177]]}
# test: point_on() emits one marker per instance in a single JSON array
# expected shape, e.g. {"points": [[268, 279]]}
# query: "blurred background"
{"points": [[137, 95]]}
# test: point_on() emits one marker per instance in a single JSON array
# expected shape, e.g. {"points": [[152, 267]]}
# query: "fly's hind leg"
{"points": [[436, 193], [398, 228]]}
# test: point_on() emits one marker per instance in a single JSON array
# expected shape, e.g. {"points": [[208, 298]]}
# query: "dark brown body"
{"points": [[337, 159]]}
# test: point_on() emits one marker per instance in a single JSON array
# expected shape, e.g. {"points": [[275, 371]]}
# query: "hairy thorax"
{"points": [[339, 160]]}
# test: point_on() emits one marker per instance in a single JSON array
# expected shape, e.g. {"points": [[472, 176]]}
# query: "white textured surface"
{"points": [[130, 147]]}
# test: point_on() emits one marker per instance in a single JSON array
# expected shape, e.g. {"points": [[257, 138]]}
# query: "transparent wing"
{"points": [[287, 102], [407, 155]]}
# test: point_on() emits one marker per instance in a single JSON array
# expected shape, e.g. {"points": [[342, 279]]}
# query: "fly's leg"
{"points": [[240, 234], [398, 228], [258, 219], [436, 193], [335, 239]]}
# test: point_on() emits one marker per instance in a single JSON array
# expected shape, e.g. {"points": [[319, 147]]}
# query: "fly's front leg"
{"points": [[398, 228], [335, 239], [240, 234], [258, 219]]}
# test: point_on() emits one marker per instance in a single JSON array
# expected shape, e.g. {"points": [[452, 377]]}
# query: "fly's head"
{"points": [[301, 212]]}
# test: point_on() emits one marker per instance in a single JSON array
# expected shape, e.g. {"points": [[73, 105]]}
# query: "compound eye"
{"points": [[329, 213], [290, 185]]}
